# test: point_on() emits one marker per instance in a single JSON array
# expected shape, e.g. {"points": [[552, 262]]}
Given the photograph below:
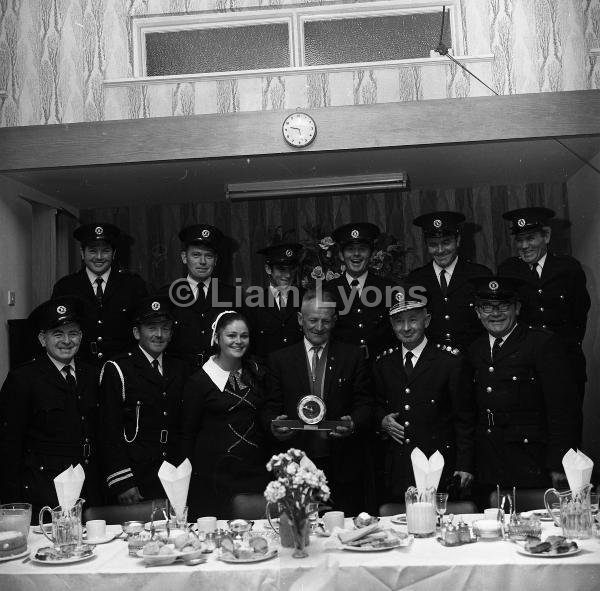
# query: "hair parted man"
{"points": [[337, 373], [553, 293]]}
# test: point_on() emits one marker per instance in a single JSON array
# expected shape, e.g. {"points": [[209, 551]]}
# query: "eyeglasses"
{"points": [[489, 308]]}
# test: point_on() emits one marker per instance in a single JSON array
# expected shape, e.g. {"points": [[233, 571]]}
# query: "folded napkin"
{"points": [[176, 482], [427, 471], [578, 468], [308, 464], [68, 485]]}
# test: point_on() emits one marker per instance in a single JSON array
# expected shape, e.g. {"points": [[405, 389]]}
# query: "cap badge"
{"points": [[400, 297], [205, 233], [520, 222], [437, 223], [61, 310], [289, 252], [156, 306], [493, 285], [99, 230], [354, 233]]}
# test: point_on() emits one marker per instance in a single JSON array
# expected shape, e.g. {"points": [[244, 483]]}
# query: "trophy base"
{"points": [[296, 425]]}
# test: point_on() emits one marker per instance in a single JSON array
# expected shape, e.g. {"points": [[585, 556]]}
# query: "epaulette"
{"points": [[387, 352], [453, 351]]}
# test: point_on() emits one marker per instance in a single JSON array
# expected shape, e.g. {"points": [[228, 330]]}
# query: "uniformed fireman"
{"points": [[48, 412], [108, 293], [361, 296], [553, 293], [528, 415], [273, 312], [200, 296], [446, 278], [141, 392], [423, 399]]}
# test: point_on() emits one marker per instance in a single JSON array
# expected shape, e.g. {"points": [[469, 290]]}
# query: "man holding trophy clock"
{"points": [[318, 397]]}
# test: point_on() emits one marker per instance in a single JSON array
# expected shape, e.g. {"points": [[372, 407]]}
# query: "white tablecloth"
{"points": [[425, 565]]}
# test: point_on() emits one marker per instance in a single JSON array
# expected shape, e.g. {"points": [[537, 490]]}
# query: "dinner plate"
{"points": [[399, 519], [107, 538], [19, 555], [69, 560], [525, 552], [159, 559], [257, 558], [401, 543]]}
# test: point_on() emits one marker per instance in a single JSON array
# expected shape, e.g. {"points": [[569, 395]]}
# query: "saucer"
{"points": [[107, 538]]}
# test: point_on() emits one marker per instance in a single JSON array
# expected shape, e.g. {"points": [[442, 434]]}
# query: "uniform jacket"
{"points": [[106, 328], [150, 416], [528, 416], [436, 407], [271, 328], [558, 300], [363, 325], [44, 428], [191, 339], [346, 391], [454, 321]]}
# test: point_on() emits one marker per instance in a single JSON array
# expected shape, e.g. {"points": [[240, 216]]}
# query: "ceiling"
{"points": [[181, 181]]}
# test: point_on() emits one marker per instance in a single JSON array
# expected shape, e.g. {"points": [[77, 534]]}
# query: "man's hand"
{"points": [[394, 429], [342, 431], [559, 480], [465, 478], [281, 433], [130, 496]]}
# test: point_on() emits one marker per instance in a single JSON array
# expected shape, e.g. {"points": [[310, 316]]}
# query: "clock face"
{"points": [[299, 130]]}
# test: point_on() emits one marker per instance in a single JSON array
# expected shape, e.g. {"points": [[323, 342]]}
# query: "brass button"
{"points": [[541, 309], [83, 418], [41, 467], [99, 321], [164, 454], [86, 461], [525, 440], [360, 325], [448, 335], [432, 401], [406, 424], [514, 378], [99, 339], [447, 317], [164, 393], [561, 296], [539, 291], [165, 413], [100, 355], [491, 369], [359, 310], [87, 439], [488, 389], [543, 326], [407, 390], [445, 299], [407, 407], [407, 440], [285, 340], [488, 430], [362, 341]]}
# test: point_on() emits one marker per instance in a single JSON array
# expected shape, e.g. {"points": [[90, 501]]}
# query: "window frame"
{"points": [[295, 16]]}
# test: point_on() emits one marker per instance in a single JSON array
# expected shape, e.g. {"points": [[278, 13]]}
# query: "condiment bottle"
{"points": [[464, 533]]}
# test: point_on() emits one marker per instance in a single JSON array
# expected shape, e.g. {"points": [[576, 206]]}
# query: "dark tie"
{"points": [[314, 369], [496, 347], [70, 378], [408, 364], [99, 290], [534, 271], [354, 284], [156, 367], [443, 283], [201, 297]]}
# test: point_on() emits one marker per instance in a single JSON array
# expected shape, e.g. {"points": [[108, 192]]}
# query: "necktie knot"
{"points": [[156, 366], [443, 282], [408, 363], [355, 283], [99, 291], [496, 346], [69, 377]]}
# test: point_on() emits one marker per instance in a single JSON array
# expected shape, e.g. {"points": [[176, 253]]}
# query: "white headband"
{"points": [[213, 340]]}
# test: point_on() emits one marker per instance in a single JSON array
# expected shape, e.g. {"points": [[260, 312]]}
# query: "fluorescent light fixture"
{"points": [[392, 181]]}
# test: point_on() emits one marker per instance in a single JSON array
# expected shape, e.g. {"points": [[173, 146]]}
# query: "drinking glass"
{"points": [[594, 500], [441, 504], [312, 511]]}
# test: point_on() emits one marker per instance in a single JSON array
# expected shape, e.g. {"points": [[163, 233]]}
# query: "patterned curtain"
{"points": [[154, 251]]}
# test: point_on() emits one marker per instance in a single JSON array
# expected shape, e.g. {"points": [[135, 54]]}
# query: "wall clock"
{"points": [[299, 130]]}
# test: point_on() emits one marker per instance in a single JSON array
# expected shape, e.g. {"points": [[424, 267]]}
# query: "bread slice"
{"points": [[351, 536]]}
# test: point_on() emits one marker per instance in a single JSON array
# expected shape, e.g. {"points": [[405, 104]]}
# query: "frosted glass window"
{"points": [[250, 47], [373, 39]]}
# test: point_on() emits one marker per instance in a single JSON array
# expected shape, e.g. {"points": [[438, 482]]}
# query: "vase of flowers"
{"points": [[298, 483]]}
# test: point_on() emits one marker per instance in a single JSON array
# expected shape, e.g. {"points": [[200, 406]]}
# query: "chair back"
{"points": [[117, 514], [528, 499]]}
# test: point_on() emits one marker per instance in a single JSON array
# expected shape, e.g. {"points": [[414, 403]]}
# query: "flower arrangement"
{"points": [[298, 483]]}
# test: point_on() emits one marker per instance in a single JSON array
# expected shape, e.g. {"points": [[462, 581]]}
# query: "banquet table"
{"points": [[424, 565]]}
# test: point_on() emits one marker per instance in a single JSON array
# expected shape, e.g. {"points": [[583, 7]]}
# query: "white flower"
{"points": [[274, 491], [307, 464], [292, 468], [317, 273], [326, 242], [330, 275]]}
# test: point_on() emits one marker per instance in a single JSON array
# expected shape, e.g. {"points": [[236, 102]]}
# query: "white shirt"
{"points": [[151, 359], [218, 375], [493, 338], [59, 365], [92, 277], [194, 285], [416, 352], [308, 345], [449, 270], [361, 281], [275, 291]]}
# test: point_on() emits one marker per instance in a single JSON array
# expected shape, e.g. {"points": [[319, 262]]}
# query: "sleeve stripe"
{"points": [[118, 473], [115, 480]]}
